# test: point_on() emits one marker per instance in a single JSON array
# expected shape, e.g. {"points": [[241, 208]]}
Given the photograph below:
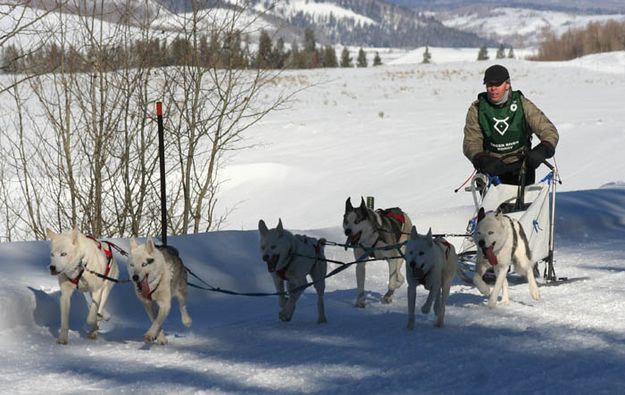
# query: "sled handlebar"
{"points": [[549, 165]]}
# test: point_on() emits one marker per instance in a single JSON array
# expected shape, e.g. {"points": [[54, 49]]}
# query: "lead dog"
{"points": [[290, 258], [159, 275], [431, 263], [501, 242], [77, 261], [369, 232]]}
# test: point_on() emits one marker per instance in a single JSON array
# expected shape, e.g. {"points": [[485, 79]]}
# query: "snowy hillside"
{"points": [[516, 26], [393, 132]]}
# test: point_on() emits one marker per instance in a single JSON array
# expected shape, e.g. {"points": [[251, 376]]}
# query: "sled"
{"points": [[532, 205]]}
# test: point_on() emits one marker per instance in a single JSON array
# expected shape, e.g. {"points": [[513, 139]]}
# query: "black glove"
{"points": [[489, 164], [539, 153]]}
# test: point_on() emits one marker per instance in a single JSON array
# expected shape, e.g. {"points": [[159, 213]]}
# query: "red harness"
{"points": [[109, 258], [398, 216]]}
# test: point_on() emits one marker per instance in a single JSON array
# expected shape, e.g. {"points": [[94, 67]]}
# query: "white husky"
{"points": [[159, 275], [370, 232], [501, 242], [82, 263], [291, 258], [432, 263]]}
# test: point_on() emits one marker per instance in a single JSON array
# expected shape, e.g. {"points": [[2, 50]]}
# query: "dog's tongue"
{"points": [[490, 255], [144, 287]]}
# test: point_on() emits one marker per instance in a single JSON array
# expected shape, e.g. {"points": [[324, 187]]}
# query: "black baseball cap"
{"points": [[496, 75]]}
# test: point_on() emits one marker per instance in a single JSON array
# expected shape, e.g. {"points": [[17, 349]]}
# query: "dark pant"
{"points": [[513, 177]]}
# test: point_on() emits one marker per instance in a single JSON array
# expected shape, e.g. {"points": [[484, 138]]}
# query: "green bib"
{"points": [[504, 126]]}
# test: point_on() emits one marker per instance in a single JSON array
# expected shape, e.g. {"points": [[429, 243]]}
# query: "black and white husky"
{"points": [[369, 232], [501, 242], [82, 263], [290, 258]]}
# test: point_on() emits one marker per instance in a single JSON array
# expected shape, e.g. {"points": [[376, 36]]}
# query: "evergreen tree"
{"points": [[264, 55], [482, 54], [329, 57], [501, 52], [346, 60], [293, 58], [511, 53], [278, 55], [426, 56], [377, 61], [361, 60]]}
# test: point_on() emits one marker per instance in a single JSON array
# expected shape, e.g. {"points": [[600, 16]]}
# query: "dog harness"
{"points": [[109, 258], [317, 246]]}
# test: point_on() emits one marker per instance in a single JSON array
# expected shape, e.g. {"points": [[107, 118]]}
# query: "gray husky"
{"points": [[369, 231], [159, 275], [82, 263], [501, 242], [432, 263], [290, 258]]}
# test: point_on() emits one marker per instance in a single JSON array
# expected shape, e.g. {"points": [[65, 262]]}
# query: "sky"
{"points": [[393, 132]]}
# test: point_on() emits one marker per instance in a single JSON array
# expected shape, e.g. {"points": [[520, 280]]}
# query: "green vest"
{"points": [[504, 126]]}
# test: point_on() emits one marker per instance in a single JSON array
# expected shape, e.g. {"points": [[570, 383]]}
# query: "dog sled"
{"points": [[532, 205]]}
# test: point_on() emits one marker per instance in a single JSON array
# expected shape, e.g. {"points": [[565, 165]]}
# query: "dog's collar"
{"points": [[76, 280]]}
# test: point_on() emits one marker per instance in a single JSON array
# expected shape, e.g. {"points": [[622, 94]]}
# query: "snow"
{"points": [[393, 132], [318, 10], [507, 23]]}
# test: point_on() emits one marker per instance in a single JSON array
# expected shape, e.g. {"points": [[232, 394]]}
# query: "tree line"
{"points": [[596, 37], [217, 50]]}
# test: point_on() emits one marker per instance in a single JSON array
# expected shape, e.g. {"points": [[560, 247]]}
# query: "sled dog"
{"points": [[77, 261], [158, 274], [501, 242], [431, 263], [290, 258], [369, 231]]}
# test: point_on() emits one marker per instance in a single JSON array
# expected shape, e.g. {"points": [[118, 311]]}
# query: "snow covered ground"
{"points": [[393, 132]]}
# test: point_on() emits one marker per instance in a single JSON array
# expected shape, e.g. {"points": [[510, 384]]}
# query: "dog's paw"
{"points": [[92, 335], [492, 303], [149, 336], [162, 340], [284, 316], [186, 321], [535, 294], [388, 297], [62, 340], [105, 316]]}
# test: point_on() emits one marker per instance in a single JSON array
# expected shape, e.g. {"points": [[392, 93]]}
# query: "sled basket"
{"points": [[533, 206]]}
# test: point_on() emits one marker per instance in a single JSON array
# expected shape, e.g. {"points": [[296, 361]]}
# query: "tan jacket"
{"points": [[537, 122]]}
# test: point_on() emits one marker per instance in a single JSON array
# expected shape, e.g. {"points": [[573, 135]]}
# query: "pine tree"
{"points": [[346, 60], [501, 52], [361, 60], [264, 56], [426, 56], [278, 55], [482, 54], [329, 57], [511, 53], [377, 61]]}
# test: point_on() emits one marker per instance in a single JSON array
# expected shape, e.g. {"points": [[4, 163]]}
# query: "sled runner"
{"points": [[532, 205]]}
